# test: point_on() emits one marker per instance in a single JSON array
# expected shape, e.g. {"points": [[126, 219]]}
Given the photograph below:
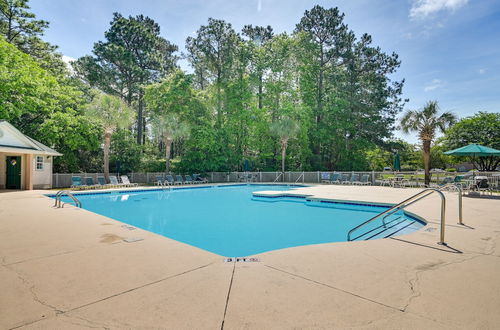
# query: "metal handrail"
{"points": [[300, 176], [68, 193], [449, 185], [403, 204]]}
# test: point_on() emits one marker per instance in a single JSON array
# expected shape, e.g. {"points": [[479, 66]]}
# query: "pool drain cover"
{"points": [[241, 260]]}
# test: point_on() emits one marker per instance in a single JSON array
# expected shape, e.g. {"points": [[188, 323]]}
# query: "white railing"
{"points": [[63, 180]]}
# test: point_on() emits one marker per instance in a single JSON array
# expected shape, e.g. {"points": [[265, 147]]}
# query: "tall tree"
{"points": [[134, 54], [324, 39], [168, 127], [426, 122], [284, 129], [111, 113], [20, 27], [258, 36], [213, 51]]}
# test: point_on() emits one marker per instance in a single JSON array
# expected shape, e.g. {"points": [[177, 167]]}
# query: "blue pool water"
{"points": [[229, 221]]}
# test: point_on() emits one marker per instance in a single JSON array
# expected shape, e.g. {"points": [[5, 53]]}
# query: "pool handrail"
{"points": [[403, 204], [448, 185], [61, 193]]}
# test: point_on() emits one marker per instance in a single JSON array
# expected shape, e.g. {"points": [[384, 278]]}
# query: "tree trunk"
{"points": [[107, 145], [260, 91], [168, 147], [140, 119], [284, 145], [426, 145]]}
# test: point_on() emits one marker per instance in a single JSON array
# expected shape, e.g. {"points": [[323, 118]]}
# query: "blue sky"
{"points": [[450, 49]]}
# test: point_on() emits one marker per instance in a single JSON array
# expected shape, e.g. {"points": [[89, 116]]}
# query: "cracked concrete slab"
{"points": [[194, 300], [18, 304], [75, 262], [264, 298]]}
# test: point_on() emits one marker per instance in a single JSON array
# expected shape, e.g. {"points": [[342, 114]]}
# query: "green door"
{"points": [[13, 172]]}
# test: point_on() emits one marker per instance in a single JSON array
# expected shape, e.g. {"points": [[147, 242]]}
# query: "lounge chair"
{"points": [[335, 178], [483, 185], [89, 183], [188, 179], [344, 179], [199, 179], [169, 180], [325, 177], [365, 180], [354, 179], [76, 182], [159, 180], [179, 179], [113, 180], [127, 182]]}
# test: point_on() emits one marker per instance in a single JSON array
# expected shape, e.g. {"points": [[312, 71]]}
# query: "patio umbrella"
{"points": [[397, 162], [474, 150]]}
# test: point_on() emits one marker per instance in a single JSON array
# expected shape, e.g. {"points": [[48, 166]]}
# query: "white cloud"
{"points": [[482, 71], [68, 60], [259, 5], [434, 84], [426, 8]]}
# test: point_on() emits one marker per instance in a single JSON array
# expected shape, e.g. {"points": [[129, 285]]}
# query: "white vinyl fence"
{"points": [[63, 180]]}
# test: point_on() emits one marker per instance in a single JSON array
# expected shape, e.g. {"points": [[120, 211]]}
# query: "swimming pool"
{"points": [[228, 220]]}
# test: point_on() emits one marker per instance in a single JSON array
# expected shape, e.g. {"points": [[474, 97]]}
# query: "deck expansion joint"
{"points": [[227, 298], [336, 288]]}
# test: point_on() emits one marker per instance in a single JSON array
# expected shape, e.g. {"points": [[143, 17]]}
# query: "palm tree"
{"points": [[168, 127], [426, 121], [284, 129], [112, 114]]}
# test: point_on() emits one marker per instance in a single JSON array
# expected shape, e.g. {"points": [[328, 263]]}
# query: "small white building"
{"points": [[24, 163]]}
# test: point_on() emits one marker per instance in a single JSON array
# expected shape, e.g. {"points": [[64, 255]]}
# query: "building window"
{"points": [[39, 163]]}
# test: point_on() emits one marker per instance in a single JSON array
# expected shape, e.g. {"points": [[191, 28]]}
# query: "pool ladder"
{"points": [[59, 203], [409, 201]]}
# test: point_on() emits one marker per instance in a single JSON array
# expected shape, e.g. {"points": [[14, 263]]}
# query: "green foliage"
{"points": [[482, 128], [324, 93], [133, 54], [35, 102], [378, 159], [110, 112], [126, 155]]}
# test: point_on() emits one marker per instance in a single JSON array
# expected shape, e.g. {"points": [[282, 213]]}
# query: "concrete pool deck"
{"points": [[71, 269]]}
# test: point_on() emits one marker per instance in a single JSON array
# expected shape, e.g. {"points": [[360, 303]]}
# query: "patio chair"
{"points": [[325, 177], [483, 185], [127, 182], [159, 180], [102, 182], [89, 183], [199, 179], [179, 179], [354, 179], [113, 181], [169, 180], [365, 180], [345, 179], [188, 179], [76, 182], [335, 178]]}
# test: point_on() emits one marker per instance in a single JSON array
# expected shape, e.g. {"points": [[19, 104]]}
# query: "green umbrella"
{"points": [[397, 162], [474, 150]]}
